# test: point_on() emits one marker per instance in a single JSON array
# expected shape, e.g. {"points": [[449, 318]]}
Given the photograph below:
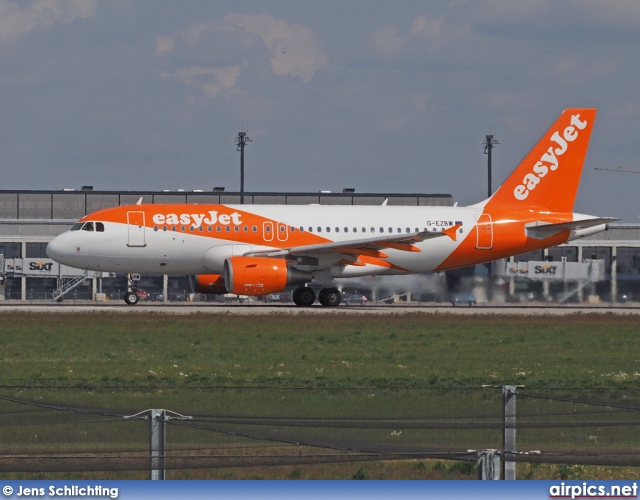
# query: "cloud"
{"points": [[211, 80], [293, 48], [165, 44], [16, 21]]}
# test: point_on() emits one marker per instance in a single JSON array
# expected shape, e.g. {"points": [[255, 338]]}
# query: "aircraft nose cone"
{"points": [[56, 249]]}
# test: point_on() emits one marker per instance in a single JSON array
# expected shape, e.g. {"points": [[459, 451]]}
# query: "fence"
{"points": [[48, 429]]}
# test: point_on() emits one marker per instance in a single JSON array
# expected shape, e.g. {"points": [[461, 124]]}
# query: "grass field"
{"points": [[420, 366], [416, 350]]}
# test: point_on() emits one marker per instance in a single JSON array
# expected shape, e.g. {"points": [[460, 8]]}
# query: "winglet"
{"points": [[452, 231]]}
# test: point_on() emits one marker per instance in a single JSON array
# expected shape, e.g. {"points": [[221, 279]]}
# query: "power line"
{"points": [[619, 169]]}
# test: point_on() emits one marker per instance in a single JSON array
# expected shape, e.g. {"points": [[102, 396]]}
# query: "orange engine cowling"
{"points": [[207, 284], [260, 275]]}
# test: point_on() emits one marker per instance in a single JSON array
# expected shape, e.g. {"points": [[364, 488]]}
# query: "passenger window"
{"points": [[328, 230], [255, 229], [319, 229], [337, 230]]}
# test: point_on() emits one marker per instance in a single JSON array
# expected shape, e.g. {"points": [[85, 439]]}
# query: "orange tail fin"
{"points": [[548, 177]]}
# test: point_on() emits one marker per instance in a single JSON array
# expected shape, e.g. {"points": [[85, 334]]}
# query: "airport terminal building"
{"points": [[605, 267]]}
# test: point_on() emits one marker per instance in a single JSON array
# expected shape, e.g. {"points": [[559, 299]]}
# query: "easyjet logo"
{"points": [[551, 158], [198, 219]]}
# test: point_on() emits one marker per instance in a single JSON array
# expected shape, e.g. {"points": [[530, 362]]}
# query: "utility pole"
{"points": [[241, 140], [488, 144]]}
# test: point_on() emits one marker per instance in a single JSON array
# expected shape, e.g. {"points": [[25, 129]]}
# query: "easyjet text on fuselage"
{"points": [[209, 219]]}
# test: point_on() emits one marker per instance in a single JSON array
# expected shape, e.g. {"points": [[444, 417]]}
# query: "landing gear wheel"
{"points": [[304, 296], [330, 297], [131, 298]]}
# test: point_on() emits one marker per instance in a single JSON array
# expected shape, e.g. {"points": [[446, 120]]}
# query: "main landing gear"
{"points": [[328, 297]]}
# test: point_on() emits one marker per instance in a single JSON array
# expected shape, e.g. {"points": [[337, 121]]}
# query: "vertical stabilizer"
{"points": [[549, 175]]}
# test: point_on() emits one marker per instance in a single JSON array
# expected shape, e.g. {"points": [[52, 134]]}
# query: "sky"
{"points": [[380, 96]]}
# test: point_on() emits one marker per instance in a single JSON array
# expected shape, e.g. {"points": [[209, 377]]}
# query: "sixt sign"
{"points": [[40, 267], [545, 269]]}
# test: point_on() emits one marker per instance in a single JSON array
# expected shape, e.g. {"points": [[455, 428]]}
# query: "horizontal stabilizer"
{"points": [[541, 230]]}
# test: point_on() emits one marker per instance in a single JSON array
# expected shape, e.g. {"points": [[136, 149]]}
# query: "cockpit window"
{"points": [[88, 226]]}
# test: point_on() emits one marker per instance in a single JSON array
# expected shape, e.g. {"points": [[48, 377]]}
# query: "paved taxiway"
{"points": [[258, 309]]}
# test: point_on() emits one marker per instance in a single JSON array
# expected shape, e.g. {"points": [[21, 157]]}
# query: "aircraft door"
{"points": [[136, 229], [484, 232]]}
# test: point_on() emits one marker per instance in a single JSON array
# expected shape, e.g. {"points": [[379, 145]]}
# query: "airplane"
{"points": [[262, 249]]}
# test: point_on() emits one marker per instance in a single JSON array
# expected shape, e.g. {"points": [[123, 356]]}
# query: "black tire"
{"points": [[131, 298], [330, 297], [304, 296]]}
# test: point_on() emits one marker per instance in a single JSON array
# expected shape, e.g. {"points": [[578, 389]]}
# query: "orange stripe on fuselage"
{"points": [[509, 238], [230, 224]]}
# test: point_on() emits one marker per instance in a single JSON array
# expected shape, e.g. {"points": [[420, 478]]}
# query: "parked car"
{"points": [[355, 299], [464, 298], [140, 292]]}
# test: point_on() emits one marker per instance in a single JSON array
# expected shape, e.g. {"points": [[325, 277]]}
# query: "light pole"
{"points": [[241, 140], [488, 144]]}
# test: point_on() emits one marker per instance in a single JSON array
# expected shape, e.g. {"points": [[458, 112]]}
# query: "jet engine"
{"points": [[260, 275], [207, 284]]}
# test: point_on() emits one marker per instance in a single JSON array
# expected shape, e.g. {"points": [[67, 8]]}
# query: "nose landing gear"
{"points": [[131, 297]]}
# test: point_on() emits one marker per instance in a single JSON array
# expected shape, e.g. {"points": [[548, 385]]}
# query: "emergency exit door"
{"points": [[484, 232]]}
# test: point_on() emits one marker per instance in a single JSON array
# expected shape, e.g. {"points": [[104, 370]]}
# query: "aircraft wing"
{"points": [[541, 230], [361, 246]]}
